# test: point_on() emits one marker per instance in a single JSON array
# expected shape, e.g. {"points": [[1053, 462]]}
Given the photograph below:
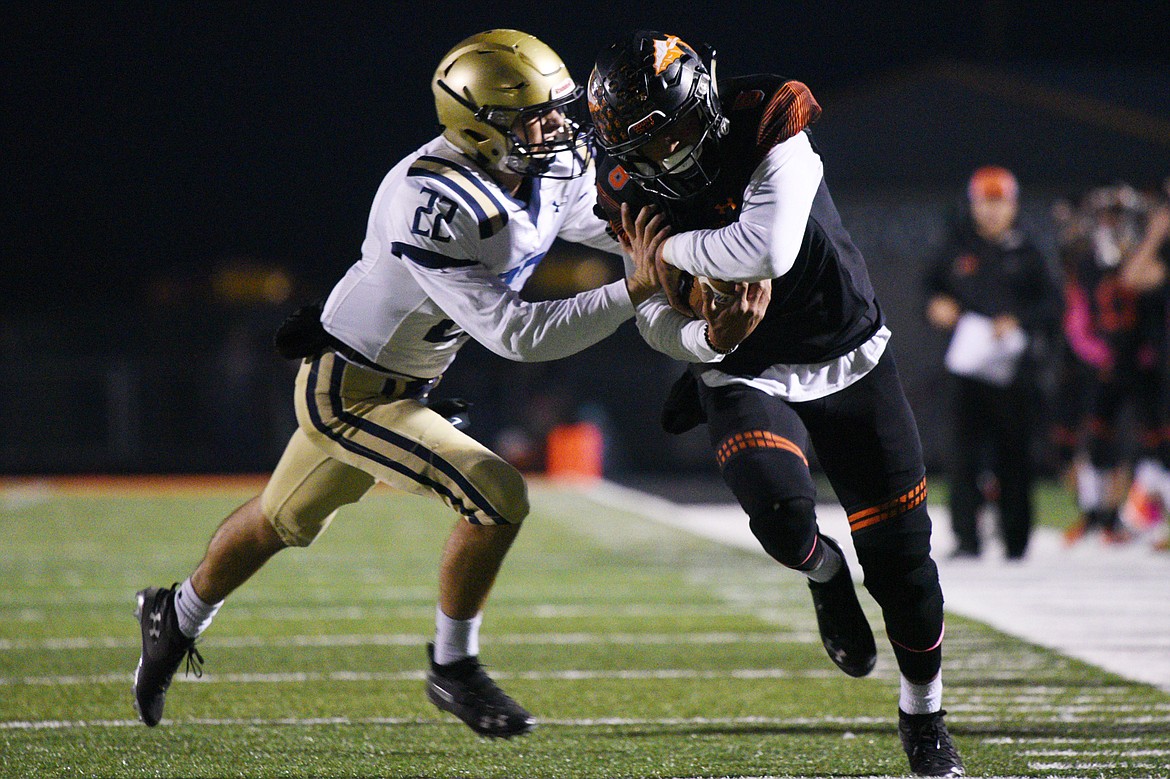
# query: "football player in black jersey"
{"points": [[1115, 324], [734, 170]]}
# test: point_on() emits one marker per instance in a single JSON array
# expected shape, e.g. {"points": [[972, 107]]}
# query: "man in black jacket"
{"points": [[991, 286]]}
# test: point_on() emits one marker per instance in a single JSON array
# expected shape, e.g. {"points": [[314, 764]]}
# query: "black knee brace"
{"points": [[786, 529]]}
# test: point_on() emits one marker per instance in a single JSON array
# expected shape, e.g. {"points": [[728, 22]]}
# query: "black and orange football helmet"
{"points": [[655, 108]]}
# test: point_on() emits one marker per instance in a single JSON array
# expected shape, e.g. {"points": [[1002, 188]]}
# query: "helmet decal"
{"points": [[618, 177], [647, 123], [562, 89], [666, 52]]}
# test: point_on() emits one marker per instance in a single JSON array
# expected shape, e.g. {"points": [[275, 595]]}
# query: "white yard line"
{"points": [[597, 722], [420, 640], [1105, 605], [299, 677]]}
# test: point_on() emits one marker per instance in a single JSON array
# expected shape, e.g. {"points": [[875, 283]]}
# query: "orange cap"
{"points": [[992, 182]]}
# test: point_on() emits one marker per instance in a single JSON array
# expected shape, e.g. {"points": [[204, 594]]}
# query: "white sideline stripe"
{"points": [[1063, 740], [1085, 766], [1065, 708], [409, 676], [419, 639], [1103, 605], [252, 612]]}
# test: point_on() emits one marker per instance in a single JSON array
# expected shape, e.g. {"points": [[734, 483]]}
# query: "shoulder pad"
{"points": [[484, 202], [790, 109]]}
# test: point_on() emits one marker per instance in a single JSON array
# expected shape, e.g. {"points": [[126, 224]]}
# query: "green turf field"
{"points": [[643, 651]]}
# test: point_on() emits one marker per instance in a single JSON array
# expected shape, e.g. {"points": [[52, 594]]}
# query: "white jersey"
{"points": [[445, 254]]}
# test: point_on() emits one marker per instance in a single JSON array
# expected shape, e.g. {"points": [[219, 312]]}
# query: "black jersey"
{"points": [[995, 278], [822, 308], [1131, 325]]}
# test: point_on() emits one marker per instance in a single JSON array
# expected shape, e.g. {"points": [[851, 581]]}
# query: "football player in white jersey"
{"points": [[455, 230]]}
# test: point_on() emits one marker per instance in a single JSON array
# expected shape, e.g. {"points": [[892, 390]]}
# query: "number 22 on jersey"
{"points": [[434, 218]]}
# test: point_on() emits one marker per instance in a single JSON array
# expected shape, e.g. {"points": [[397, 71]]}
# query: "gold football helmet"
{"points": [[506, 99]]}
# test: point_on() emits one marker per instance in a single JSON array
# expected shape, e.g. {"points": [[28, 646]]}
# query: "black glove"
{"points": [[301, 335]]}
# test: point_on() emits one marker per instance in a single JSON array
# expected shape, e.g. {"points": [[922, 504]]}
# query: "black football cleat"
{"points": [[464, 689], [845, 631], [929, 746], [163, 648]]}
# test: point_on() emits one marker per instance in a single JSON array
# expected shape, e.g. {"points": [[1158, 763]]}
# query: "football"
{"points": [[721, 292]]}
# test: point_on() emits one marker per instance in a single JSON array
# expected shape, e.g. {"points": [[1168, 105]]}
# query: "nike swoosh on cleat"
{"points": [[448, 697]]}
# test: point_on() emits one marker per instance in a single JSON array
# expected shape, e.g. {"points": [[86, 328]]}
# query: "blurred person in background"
{"points": [[990, 286], [1115, 322]]}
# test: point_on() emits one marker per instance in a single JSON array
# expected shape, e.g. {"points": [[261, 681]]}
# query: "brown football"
{"points": [[713, 287]]}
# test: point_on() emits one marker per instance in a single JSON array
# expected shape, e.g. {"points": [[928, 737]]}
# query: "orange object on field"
{"points": [[575, 452]]}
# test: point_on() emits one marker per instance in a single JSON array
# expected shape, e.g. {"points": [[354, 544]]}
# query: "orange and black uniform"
{"points": [[1124, 343], [865, 435], [992, 423]]}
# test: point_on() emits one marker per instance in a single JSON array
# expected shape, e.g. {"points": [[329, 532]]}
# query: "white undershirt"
{"points": [[809, 381]]}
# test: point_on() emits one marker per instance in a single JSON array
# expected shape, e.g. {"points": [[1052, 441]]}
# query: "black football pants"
{"points": [[867, 442], [992, 422]]}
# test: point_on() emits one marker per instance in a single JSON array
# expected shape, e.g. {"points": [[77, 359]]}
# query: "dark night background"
{"points": [[170, 164]]}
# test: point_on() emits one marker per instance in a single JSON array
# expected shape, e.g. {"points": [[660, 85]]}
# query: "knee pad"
{"points": [[787, 529], [504, 489]]}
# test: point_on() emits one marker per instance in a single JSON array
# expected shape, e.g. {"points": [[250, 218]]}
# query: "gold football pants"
{"points": [[357, 426]]}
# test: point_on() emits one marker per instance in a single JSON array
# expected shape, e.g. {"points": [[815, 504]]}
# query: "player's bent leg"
{"points": [[303, 494], [868, 443], [240, 547], [362, 419], [769, 475], [845, 632], [471, 559]]}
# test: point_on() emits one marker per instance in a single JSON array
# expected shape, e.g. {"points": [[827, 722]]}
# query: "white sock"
{"points": [[194, 615], [1092, 487], [455, 639], [921, 698], [1154, 478], [827, 568]]}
